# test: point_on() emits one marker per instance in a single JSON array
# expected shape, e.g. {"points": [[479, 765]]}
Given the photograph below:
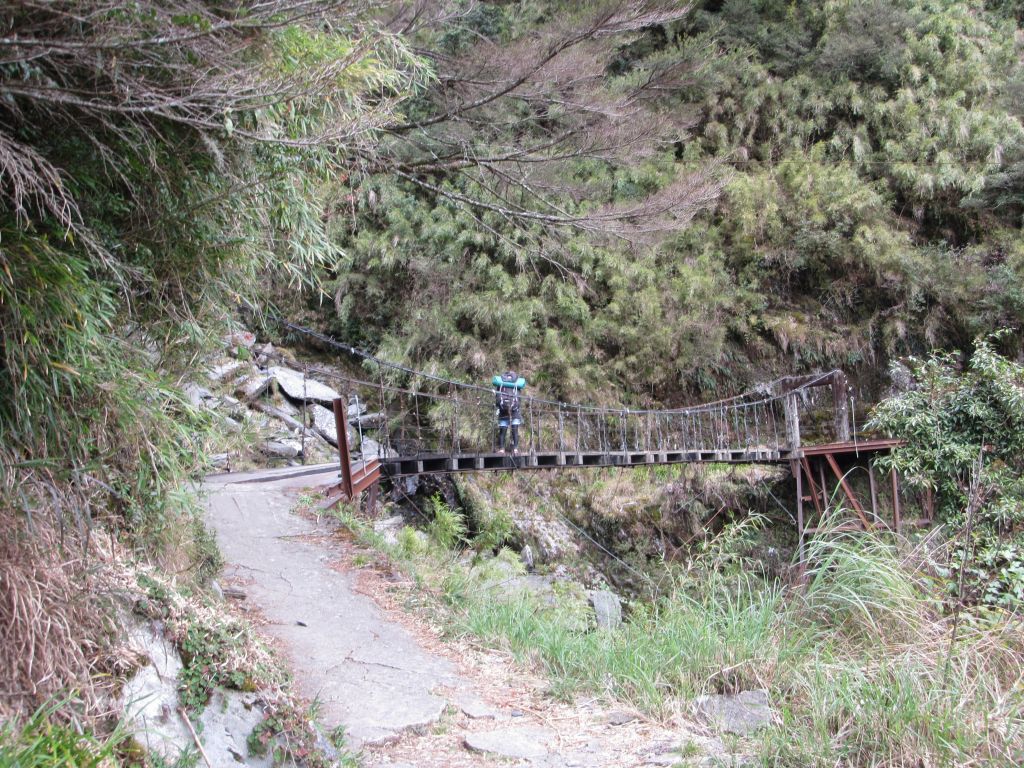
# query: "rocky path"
{"points": [[404, 697]]}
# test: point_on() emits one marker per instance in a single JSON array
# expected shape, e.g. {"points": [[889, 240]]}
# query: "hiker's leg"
{"points": [[501, 436], [515, 436]]}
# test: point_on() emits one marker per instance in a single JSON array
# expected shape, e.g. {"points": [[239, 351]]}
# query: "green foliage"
{"points": [[285, 734], [858, 660], [206, 651], [952, 419], [871, 211], [45, 740], [447, 526]]}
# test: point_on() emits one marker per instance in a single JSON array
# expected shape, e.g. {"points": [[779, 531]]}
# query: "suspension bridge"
{"points": [[394, 421]]}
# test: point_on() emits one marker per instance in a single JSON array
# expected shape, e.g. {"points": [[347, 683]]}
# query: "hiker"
{"points": [[506, 404]]}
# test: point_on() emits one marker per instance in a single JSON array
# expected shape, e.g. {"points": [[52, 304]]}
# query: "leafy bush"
{"points": [[447, 527], [964, 432]]}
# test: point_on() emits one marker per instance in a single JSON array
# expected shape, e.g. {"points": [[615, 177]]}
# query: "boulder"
{"points": [[299, 387], [230, 425], [252, 386], [281, 449], [225, 725], [280, 415], [526, 557], [265, 353], [224, 370], [740, 714], [150, 698], [324, 423], [607, 608], [367, 420], [371, 449], [200, 397], [388, 528], [356, 409]]}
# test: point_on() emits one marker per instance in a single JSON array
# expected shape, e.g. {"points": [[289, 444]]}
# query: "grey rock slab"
{"points": [[476, 708], [150, 698], [200, 397], [666, 758], [236, 339], [389, 528], [224, 370], [520, 743], [324, 422], [226, 723], [368, 421], [740, 714], [251, 387], [371, 449], [369, 674], [607, 608], [620, 717], [282, 449], [230, 425], [300, 387]]}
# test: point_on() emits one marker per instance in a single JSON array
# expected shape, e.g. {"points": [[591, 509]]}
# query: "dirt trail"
{"points": [[404, 697]]}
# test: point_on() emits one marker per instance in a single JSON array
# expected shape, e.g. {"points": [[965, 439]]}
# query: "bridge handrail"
{"points": [[776, 387]]}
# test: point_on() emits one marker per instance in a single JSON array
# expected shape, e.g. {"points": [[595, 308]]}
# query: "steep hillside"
{"points": [[669, 203]]}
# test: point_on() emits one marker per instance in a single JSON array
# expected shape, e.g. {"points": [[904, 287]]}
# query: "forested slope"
{"points": [[641, 202], [667, 206]]}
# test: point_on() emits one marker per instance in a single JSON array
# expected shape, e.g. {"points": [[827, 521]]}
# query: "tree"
{"points": [[951, 418]]}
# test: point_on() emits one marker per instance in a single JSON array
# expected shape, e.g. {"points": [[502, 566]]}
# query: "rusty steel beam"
{"points": [[341, 425], [848, 490], [814, 489]]}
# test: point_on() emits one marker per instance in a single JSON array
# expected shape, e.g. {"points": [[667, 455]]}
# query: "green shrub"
{"points": [[447, 526], [964, 432]]}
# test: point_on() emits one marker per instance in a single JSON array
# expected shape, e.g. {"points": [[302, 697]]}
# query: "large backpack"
{"points": [[508, 392]]}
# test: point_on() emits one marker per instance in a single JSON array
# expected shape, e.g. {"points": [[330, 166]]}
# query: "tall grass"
{"points": [[45, 740], [857, 659]]}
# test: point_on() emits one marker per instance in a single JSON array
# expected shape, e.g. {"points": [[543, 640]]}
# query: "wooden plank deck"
{"points": [[404, 466]]}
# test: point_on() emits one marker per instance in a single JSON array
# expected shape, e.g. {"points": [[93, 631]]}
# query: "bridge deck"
{"points": [[419, 464]]}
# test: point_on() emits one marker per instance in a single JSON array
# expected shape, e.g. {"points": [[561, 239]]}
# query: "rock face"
{"points": [[297, 387], [740, 714], [607, 608]]}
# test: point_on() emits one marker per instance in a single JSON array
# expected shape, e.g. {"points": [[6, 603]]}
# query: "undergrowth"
{"points": [[858, 660], [45, 740]]}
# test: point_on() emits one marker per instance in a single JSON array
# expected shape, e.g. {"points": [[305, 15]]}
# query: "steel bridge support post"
{"points": [[341, 425], [797, 470]]}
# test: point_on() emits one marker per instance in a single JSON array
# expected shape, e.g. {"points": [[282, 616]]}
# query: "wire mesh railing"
{"points": [[396, 411]]}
